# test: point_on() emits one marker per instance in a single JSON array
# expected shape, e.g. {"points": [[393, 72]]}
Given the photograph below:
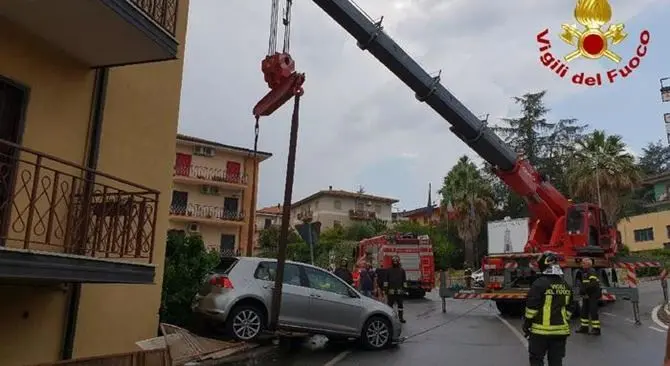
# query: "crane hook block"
{"points": [[277, 68]]}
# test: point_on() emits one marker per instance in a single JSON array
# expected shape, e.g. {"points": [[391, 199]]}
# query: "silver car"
{"points": [[238, 296]]}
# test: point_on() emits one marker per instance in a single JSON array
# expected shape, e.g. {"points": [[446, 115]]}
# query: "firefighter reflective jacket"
{"points": [[590, 285], [549, 306], [395, 282]]}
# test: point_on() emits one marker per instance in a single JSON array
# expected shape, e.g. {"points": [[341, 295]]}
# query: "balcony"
{"points": [[305, 216], [201, 175], [204, 214], [65, 223], [101, 32], [362, 215]]}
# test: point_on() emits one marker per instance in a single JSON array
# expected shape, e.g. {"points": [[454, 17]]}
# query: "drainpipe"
{"points": [[92, 154]]}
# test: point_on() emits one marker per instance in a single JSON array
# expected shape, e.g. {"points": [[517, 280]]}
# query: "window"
{"points": [[666, 245], [337, 204], [266, 271], [378, 209], [667, 230], [337, 223], [267, 223], [316, 205], [644, 234], [324, 281]]}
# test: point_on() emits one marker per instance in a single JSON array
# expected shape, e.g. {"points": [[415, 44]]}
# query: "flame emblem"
{"points": [[591, 42]]}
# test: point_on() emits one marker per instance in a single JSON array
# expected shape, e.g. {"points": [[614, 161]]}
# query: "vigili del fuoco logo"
{"points": [[592, 40]]}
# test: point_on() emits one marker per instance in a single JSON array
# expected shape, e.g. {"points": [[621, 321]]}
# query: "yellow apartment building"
{"points": [[212, 192], [646, 232], [651, 230], [89, 102]]}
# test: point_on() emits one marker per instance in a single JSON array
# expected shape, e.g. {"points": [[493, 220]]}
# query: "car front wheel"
{"points": [[245, 323], [377, 333]]}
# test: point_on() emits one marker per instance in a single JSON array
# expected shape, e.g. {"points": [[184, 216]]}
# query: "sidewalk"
{"points": [[664, 314]]}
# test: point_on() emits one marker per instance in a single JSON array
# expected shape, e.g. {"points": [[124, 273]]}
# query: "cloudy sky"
{"points": [[361, 126]]}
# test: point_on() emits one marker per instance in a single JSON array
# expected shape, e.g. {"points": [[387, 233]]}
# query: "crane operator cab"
{"points": [[588, 230]]}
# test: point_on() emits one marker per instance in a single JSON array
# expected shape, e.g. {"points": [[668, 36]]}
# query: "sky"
{"points": [[360, 126]]}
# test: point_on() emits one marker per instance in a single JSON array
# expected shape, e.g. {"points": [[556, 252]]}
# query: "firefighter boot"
{"points": [[584, 326], [401, 317]]}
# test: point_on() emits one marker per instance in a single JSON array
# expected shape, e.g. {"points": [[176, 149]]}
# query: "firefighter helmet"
{"points": [[547, 260]]}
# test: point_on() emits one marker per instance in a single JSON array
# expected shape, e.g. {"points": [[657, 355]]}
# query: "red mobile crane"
{"points": [[574, 231]]}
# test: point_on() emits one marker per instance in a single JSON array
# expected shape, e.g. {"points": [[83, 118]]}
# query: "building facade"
{"points": [[646, 232], [334, 207], [423, 215], [212, 192], [660, 186], [89, 104], [266, 217]]}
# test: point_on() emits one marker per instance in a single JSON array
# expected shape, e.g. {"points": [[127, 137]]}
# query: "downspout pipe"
{"points": [[92, 155]]}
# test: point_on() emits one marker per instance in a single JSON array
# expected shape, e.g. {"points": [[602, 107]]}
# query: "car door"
{"points": [[295, 295], [333, 306]]}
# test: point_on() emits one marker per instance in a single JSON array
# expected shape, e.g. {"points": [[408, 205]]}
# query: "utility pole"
{"points": [[286, 218]]}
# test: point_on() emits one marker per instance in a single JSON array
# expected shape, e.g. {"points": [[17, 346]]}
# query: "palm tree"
{"points": [[601, 171], [470, 198]]}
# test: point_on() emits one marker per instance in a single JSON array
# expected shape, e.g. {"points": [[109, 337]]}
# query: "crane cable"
{"points": [[274, 19], [445, 323], [287, 26]]}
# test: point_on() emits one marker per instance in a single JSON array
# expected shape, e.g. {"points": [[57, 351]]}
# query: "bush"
{"points": [[187, 263]]}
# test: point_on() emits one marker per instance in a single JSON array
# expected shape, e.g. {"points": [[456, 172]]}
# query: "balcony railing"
{"points": [[50, 204], [208, 173], [305, 215], [205, 212], [163, 12], [362, 215]]}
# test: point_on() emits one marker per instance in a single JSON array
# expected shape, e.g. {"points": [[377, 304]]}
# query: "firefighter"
{"points": [[548, 310], [343, 272], [590, 292], [395, 286]]}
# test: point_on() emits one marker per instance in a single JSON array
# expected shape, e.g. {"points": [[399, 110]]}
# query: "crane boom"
{"points": [[547, 206]]}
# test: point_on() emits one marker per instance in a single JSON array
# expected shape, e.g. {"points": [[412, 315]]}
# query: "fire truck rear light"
{"points": [[221, 281]]}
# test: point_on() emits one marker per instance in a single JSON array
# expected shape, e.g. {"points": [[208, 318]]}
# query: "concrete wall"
{"points": [[142, 101], [658, 221]]}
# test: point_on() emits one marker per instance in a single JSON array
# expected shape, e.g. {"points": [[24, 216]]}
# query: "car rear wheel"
{"points": [[245, 323], [377, 333]]}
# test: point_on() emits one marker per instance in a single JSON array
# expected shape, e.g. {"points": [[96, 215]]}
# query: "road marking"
{"points": [[337, 359], [516, 332], [658, 330], [654, 317]]}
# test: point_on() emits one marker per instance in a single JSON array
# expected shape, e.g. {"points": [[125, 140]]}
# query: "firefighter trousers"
{"points": [[553, 347], [395, 299], [589, 314]]}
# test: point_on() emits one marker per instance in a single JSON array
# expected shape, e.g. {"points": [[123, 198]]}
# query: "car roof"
{"points": [[261, 259]]}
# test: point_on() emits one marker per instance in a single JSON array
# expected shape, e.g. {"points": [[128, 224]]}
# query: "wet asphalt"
{"points": [[470, 333]]}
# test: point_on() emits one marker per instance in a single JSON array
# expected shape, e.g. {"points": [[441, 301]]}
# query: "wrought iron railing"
{"points": [[208, 173], [163, 12], [361, 215], [50, 204], [206, 212], [305, 215]]}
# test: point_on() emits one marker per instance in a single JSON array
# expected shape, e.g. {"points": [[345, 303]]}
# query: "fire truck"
{"points": [[415, 253]]}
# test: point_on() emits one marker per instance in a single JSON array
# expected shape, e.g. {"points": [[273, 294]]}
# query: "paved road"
{"points": [[471, 333]]}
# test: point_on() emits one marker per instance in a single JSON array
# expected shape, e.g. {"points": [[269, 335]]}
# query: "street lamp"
{"points": [[665, 89]]}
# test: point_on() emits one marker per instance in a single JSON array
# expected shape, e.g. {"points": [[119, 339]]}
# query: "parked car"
{"points": [[238, 297]]}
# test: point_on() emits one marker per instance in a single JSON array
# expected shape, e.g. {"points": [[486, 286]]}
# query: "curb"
{"points": [[661, 316]]}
